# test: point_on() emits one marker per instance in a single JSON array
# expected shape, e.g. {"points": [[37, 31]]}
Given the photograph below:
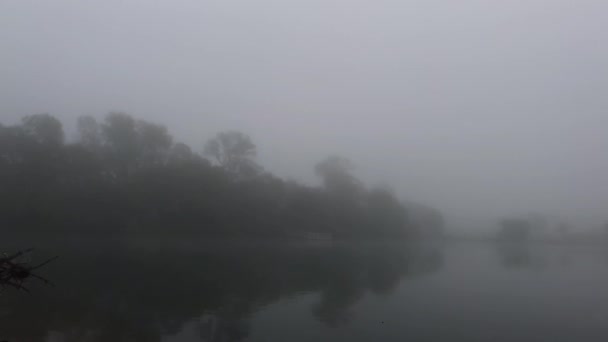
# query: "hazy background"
{"points": [[481, 108]]}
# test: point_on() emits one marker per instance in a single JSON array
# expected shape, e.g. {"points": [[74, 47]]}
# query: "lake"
{"points": [[147, 290]]}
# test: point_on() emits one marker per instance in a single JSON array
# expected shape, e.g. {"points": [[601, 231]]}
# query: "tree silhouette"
{"points": [[44, 129], [234, 152], [128, 176]]}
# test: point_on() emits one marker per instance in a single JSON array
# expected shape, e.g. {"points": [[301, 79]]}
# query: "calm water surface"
{"points": [[192, 291]]}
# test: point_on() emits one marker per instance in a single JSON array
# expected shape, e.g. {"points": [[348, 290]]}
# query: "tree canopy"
{"points": [[129, 176], [234, 152]]}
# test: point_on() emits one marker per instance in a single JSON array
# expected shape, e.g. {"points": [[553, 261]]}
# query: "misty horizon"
{"points": [[480, 109]]}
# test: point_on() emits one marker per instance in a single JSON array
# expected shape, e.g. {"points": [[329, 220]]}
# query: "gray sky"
{"points": [[480, 107]]}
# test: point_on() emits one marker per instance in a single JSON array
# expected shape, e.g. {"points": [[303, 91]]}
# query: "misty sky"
{"points": [[480, 107]]}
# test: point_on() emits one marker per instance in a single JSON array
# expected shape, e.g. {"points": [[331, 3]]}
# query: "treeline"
{"points": [[128, 176]]}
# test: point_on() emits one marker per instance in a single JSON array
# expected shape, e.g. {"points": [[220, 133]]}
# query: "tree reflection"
{"points": [[514, 255], [379, 271], [141, 295]]}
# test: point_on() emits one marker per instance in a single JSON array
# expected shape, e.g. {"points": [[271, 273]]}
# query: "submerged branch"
{"points": [[14, 272]]}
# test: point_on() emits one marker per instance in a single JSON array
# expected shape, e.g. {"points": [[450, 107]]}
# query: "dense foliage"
{"points": [[126, 176]]}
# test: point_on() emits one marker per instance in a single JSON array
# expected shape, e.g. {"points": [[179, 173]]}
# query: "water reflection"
{"points": [[539, 256], [121, 293], [378, 270], [514, 255]]}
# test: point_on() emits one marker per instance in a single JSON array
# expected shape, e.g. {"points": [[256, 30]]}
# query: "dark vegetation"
{"points": [[128, 176]]}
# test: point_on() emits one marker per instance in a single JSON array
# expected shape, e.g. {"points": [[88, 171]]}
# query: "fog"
{"points": [[479, 108], [319, 170]]}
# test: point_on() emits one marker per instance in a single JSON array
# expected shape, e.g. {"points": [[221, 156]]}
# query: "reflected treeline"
{"points": [[540, 256], [146, 293], [128, 176], [514, 255]]}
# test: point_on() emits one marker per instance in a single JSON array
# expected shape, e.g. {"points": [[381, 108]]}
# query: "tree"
{"points": [[234, 152], [154, 142], [12, 143], [125, 175], [44, 129], [386, 213], [120, 137], [425, 221], [119, 133], [180, 153], [89, 132], [337, 177]]}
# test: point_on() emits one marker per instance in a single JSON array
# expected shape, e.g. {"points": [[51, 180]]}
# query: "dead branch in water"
{"points": [[14, 272]]}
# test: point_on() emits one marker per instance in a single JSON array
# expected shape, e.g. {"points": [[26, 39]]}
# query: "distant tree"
{"points": [[124, 175], [426, 222], [154, 142], [180, 153], [386, 212], [40, 147], [12, 145], [44, 129], [119, 133], [120, 138], [234, 152], [79, 164], [336, 173], [89, 132]]}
